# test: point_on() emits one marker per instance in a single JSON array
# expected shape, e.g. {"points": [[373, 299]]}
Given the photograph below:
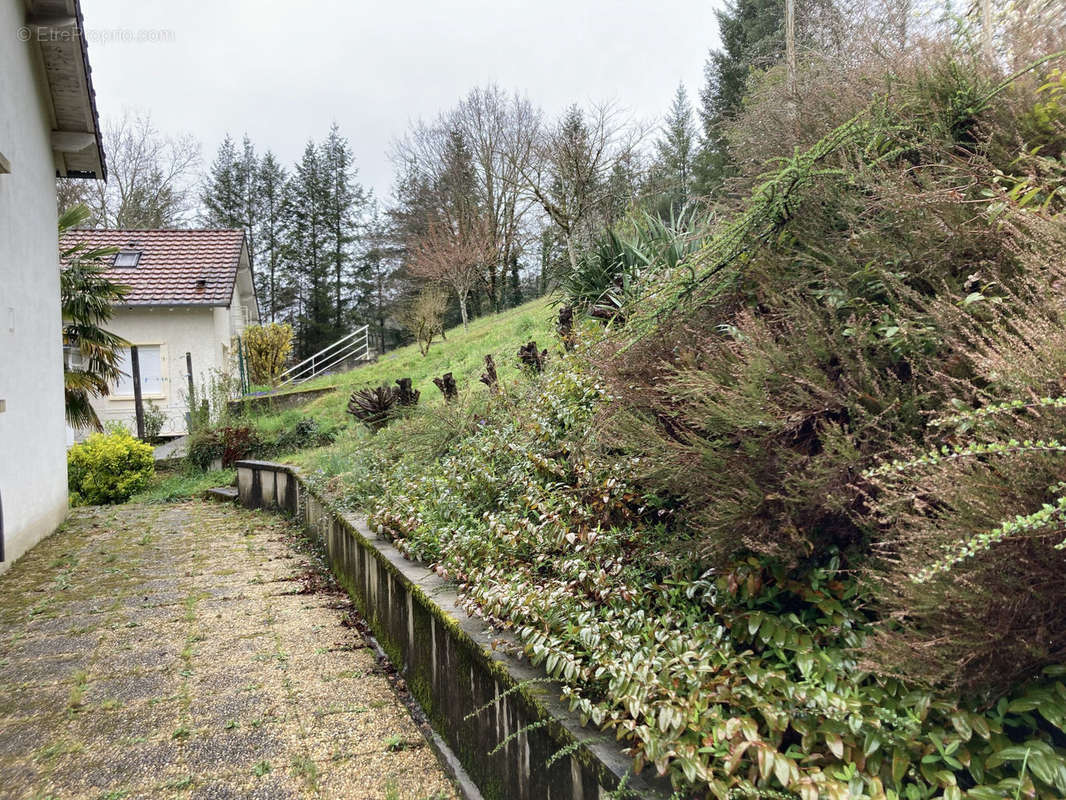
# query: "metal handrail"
{"points": [[364, 346], [299, 372], [332, 360], [324, 349]]}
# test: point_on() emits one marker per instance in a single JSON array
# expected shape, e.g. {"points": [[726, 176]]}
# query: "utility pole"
{"points": [[138, 406], [790, 45], [986, 30]]}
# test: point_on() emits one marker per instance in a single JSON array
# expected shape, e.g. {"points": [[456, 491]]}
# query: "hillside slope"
{"points": [[462, 354]]}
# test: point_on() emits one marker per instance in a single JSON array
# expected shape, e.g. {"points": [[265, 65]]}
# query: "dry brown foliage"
{"points": [[896, 286]]}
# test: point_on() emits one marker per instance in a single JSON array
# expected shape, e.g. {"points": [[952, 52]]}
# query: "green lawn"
{"points": [[462, 354], [168, 486]]}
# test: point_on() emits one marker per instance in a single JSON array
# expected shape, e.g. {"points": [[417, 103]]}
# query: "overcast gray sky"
{"points": [[284, 71]]}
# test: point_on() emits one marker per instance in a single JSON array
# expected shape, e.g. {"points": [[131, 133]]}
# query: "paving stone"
{"points": [[166, 651], [23, 738], [47, 669], [56, 645], [29, 700], [268, 787], [121, 764], [238, 749], [134, 686]]}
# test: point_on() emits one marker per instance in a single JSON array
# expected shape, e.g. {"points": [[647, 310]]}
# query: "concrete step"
{"points": [[175, 448], [222, 494]]}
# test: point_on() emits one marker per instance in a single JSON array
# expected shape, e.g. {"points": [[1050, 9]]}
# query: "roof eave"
{"points": [[172, 304], [92, 99], [64, 52]]}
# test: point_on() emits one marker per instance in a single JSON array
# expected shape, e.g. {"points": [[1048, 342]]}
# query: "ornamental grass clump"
{"points": [[374, 407]]}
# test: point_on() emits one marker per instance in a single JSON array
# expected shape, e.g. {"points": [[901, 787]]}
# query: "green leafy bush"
{"points": [[306, 432], [266, 347], [108, 468], [204, 447], [230, 443], [154, 420]]}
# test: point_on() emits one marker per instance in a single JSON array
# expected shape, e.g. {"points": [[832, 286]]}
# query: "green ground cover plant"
{"points": [[788, 525]]}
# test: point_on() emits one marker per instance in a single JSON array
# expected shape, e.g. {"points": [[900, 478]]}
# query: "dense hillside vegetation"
{"points": [[783, 510]]}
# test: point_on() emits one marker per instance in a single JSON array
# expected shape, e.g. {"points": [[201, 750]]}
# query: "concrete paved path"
{"points": [[193, 650]]}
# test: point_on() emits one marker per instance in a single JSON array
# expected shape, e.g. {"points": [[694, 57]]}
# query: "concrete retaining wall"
{"points": [[277, 402], [449, 663]]}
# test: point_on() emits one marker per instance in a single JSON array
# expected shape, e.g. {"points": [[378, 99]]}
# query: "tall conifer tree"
{"points": [[272, 281], [305, 246], [676, 151], [343, 201], [230, 195], [753, 37]]}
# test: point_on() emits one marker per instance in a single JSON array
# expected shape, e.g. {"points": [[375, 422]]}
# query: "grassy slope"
{"points": [[170, 485], [462, 354]]}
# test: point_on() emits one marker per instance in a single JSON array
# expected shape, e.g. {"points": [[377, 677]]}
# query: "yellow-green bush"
{"points": [[108, 468], [266, 347]]}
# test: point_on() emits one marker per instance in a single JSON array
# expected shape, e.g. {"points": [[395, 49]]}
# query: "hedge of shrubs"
{"points": [[230, 442]]}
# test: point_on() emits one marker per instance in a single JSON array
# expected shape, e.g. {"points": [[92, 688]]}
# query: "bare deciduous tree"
{"points": [[572, 166], [423, 316], [502, 133], [454, 257], [150, 176], [468, 164]]}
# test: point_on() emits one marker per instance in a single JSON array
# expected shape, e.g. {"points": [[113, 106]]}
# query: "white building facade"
{"points": [[190, 292], [48, 127]]}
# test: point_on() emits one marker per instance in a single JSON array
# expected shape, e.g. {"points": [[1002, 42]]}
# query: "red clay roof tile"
{"points": [[177, 267]]}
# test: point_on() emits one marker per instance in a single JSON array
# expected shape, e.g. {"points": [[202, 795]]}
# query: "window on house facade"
{"points": [[73, 358], [150, 362], [127, 258]]}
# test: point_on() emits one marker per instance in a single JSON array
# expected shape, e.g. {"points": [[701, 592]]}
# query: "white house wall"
{"points": [[33, 470], [201, 331]]}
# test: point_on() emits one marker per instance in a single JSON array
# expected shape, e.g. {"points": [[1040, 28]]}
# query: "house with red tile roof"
{"points": [[48, 128], [190, 296]]}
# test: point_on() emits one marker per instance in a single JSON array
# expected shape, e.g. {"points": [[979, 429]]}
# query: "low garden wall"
{"points": [[277, 402], [500, 716]]}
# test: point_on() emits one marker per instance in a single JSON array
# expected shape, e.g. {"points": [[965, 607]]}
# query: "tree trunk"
{"points": [[462, 310], [447, 386], [516, 285], [571, 251]]}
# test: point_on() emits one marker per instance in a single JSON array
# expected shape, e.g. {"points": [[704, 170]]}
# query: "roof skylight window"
{"points": [[127, 258]]}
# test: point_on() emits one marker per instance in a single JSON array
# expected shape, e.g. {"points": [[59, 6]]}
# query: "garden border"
{"points": [[276, 401], [501, 716]]}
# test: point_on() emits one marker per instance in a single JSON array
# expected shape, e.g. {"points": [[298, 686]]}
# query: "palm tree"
{"points": [[86, 298]]}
